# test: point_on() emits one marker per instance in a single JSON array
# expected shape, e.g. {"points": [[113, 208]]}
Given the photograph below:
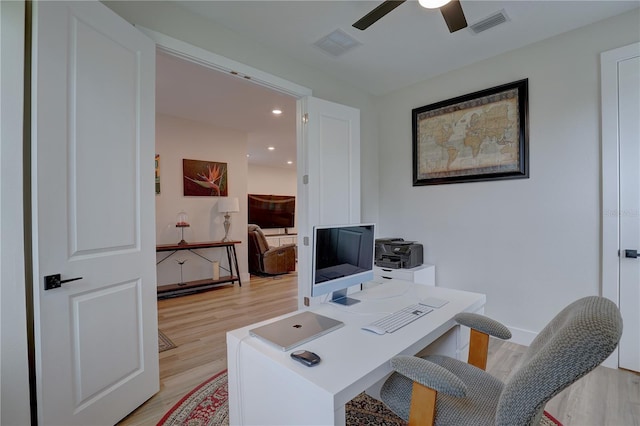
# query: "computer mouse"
{"points": [[374, 329], [308, 358]]}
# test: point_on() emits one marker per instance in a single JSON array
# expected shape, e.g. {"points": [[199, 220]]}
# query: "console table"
{"points": [[267, 387], [189, 287]]}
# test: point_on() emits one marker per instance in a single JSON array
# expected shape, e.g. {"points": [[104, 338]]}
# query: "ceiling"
{"points": [[408, 45], [191, 91]]}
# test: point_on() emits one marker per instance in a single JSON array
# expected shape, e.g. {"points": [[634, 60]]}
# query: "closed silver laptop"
{"points": [[287, 333]]}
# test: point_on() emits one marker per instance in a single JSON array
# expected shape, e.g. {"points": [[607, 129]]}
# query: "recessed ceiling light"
{"points": [[271, 148], [289, 162], [248, 155], [277, 111]]}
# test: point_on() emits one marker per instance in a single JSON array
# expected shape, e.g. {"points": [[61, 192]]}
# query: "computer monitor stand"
{"points": [[340, 297]]}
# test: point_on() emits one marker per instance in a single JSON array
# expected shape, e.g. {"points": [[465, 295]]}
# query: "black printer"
{"points": [[396, 253]]}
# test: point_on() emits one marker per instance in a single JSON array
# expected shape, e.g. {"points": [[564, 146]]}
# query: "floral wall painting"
{"points": [[476, 137], [157, 174], [204, 178]]}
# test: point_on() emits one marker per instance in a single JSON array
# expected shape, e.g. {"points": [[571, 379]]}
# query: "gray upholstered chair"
{"points": [[444, 391]]}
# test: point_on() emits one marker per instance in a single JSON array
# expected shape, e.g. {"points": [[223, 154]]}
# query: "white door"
{"points": [[93, 214], [329, 184], [629, 128], [620, 69]]}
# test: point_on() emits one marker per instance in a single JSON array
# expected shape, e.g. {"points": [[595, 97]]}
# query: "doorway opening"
{"points": [[212, 117]]}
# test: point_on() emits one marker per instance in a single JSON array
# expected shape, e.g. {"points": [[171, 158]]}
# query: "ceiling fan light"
{"points": [[433, 4]]}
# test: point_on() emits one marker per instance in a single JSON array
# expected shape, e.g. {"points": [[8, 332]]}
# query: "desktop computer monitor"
{"points": [[342, 257]]}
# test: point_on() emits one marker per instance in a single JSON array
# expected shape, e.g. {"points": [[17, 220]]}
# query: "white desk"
{"points": [[267, 387]]}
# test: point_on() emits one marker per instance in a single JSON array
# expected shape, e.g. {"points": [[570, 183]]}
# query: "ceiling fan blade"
{"points": [[453, 16], [377, 13]]}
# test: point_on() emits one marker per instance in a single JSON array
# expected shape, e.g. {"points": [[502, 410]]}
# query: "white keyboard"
{"points": [[399, 319]]}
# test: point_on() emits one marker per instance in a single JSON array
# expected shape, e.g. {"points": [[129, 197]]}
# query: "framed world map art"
{"points": [[476, 137]]}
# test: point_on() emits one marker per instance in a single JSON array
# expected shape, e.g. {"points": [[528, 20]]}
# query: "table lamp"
{"points": [[226, 206]]}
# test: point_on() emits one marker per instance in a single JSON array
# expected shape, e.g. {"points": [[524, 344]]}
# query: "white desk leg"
{"points": [[257, 395], [340, 417], [232, 376]]}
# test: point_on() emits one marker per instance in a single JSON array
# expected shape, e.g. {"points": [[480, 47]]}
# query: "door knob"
{"points": [[56, 281], [631, 253]]}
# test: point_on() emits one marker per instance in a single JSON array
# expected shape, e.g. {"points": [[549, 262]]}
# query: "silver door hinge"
{"points": [[305, 241], [305, 118], [305, 179]]}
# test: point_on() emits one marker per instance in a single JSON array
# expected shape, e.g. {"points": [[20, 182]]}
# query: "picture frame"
{"points": [[204, 178], [480, 136]]}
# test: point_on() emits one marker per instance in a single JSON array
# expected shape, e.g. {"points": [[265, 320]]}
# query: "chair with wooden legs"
{"points": [[439, 390], [481, 328]]}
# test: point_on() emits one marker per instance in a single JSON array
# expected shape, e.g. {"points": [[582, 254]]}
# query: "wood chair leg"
{"points": [[423, 405], [478, 349]]}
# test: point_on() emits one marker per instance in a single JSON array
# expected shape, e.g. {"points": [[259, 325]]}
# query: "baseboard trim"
{"points": [[521, 336]]}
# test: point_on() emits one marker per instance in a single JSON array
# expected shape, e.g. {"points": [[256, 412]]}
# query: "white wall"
{"points": [[532, 245], [14, 387], [271, 180], [178, 139]]}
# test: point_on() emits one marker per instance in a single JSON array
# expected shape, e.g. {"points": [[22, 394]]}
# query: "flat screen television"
{"points": [[272, 211], [342, 257]]}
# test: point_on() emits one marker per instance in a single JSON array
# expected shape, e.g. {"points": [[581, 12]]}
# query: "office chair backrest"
{"points": [[575, 342]]}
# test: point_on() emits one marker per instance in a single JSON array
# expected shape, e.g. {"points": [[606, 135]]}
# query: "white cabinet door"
{"points": [[93, 214]]}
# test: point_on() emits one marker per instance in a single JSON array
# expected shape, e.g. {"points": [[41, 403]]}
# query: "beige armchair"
{"points": [[264, 259]]}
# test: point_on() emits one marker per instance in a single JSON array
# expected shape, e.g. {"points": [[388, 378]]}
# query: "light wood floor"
{"points": [[197, 325]]}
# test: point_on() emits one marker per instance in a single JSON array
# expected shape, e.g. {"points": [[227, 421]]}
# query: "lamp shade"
{"points": [[228, 204]]}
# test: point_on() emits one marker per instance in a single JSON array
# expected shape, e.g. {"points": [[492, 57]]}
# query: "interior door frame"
{"points": [[17, 398], [610, 175], [217, 62]]}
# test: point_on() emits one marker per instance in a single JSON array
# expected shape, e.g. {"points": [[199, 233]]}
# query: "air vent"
{"points": [[489, 22], [337, 43]]}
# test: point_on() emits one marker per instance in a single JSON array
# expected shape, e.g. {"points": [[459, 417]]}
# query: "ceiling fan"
{"points": [[451, 12]]}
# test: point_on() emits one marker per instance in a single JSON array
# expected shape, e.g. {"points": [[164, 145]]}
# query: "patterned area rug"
{"points": [[207, 405], [164, 343]]}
